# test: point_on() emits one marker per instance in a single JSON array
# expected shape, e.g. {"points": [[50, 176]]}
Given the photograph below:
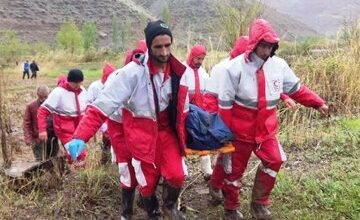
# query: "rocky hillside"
{"points": [[326, 17], [198, 16], [39, 20]]}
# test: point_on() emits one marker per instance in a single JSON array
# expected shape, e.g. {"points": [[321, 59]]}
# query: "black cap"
{"points": [[155, 28], [75, 75]]}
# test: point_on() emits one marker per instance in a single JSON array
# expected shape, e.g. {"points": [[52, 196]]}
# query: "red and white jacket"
{"points": [[212, 86], [210, 97], [96, 86], [191, 79], [196, 78], [67, 106], [250, 89], [132, 87]]}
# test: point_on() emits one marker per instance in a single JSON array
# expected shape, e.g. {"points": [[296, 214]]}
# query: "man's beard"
{"points": [[162, 59], [197, 66]]}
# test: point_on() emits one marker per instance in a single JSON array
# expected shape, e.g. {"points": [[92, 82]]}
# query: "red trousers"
{"points": [[123, 156], [271, 155], [168, 163]]}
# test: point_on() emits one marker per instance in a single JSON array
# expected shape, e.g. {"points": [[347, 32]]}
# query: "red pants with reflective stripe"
{"points": [[271, 155], [168, 164], [123, 156]]}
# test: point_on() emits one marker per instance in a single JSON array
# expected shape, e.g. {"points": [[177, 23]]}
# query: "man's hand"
{"points": [[75, 148], [43, 136], [290, 104], [324, 109]]}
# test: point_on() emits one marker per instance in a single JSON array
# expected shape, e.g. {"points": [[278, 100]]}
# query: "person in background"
{"points": [[196, 79], [133, 55], [26, 68], [42, 150], [61, 80], [34, 69], [93, 91]]}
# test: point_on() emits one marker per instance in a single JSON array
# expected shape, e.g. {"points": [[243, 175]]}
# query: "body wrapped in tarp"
{"points": [[206, 131]]}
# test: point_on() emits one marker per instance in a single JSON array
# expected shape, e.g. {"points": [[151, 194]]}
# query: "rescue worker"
{"points": [[248, 93], [93, 91], [61, 80], [67, 103], [196, 80], [210, 97], [155, 106], [211, 105], [133, 55]]}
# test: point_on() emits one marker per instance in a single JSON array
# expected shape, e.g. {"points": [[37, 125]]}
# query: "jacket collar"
{"points": [[175, 66]]}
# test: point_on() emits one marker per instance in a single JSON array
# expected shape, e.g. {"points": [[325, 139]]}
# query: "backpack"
{"points": [[206, 131]]}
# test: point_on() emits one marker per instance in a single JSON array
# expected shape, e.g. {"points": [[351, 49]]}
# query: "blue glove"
{"points": [[75, 148]]}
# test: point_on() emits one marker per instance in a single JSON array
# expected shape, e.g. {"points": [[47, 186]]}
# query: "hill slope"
{"points": [[199, 17], [326, 17], [39, 20]]}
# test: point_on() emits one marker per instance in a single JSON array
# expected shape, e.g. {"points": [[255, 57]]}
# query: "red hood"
{"points": [[131, 55], [107, 70], [239, 47], [195, 51], [141, 45], [61, 80], [260, 29]]}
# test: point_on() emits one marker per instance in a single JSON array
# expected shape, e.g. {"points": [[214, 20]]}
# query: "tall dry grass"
{"points": [[328, 67], [332, 72]]}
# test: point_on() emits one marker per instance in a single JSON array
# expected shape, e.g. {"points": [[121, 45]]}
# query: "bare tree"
{"points": [[3, 127], [235, 16]]}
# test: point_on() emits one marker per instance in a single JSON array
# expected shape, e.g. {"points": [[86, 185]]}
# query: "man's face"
{"points": [[263, 50], [160, 48], [197, 61], [42, 96], [75, 85]]}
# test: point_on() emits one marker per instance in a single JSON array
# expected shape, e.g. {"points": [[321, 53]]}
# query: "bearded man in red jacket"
{"points": [[154, 104]]}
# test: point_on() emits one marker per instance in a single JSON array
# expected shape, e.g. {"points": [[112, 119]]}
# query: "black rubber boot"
{"points": [[216, 194], [127, 201], [170, 196], [233, 215], [259, 211], [139, 200], [106, 153], [151, 206]]}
